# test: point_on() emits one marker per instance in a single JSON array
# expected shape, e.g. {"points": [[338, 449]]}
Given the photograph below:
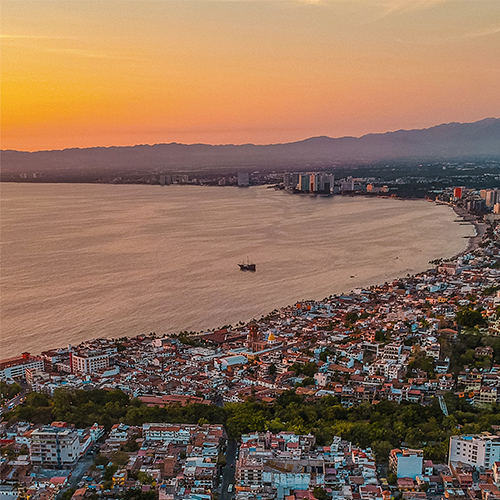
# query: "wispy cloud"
{"points": [[471, 35], [34, 37], [86, 53], [486, 31], [394, 7], [50, 44]]}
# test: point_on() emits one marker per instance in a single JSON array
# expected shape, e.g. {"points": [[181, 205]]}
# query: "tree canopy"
{"points": [[382, 426]]}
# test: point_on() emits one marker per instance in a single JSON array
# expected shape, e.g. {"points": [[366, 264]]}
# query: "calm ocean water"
{"points": [[83, 261]]}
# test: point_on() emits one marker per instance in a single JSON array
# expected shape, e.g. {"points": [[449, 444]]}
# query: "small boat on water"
{"points": [[247, 266]]}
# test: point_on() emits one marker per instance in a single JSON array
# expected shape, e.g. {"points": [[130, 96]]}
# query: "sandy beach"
{"points": [[479, 228]]}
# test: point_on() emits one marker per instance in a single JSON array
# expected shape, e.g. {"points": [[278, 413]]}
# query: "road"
{"points": [[78, 472], [15, 401], [228, 472], [12, 403], [81, 470]]}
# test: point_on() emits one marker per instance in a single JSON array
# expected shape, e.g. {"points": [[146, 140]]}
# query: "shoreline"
{"points": [[479, 228], [472, 244]]}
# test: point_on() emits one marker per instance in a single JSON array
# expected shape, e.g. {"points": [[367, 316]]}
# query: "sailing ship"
{"points": [[247, 266]]}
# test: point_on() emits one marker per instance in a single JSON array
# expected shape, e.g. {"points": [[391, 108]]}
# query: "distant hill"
{"points": [[446, 141]]}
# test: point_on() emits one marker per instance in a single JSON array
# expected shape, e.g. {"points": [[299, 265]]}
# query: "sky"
{"points": [[83, 73]]}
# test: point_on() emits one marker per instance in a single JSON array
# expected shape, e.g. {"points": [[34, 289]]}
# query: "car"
{"points": [[232, 465]]}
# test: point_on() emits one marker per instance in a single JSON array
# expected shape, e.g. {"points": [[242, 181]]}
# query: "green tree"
{"points": [[68, 494], [131, 445], [37, 399], [109, 472], [119, 458], [144, 478], [382, 450], [351, 318], [470, 318], [107, 485], [308, 381], [310, 369], [307, 369], [7, 450], [221, 460], [392, 478], [421, 362], [101, 460], [320, 493], [8, 391]]}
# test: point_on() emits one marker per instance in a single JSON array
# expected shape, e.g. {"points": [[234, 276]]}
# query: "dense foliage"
{"points": [[8, 391], [382, 426], [470, 318], [84, 408], [421, 362], [461, 351], [307, 369]]}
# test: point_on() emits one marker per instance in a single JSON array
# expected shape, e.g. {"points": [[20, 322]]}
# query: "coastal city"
{"points": [[389, 391], [250, 250]]}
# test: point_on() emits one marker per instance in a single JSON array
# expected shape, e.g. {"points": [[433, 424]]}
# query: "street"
{"points": [[77, 474], [228, 473]]}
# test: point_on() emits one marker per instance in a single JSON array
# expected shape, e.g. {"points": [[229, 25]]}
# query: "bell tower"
{"points": [[253, 335]]}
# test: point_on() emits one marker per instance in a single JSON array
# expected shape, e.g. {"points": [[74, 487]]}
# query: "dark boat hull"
{"points": [[247, 267]]}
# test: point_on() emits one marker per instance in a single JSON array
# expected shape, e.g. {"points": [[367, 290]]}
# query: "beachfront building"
{"points": [[243, 179], [15, 368], [87, 361]]}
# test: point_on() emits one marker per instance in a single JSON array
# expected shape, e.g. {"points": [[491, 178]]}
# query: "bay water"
{"points": [[81, 261]]}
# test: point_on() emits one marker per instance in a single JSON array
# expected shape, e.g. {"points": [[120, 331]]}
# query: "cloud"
{"points": [[34, 37], [458, 37], [81, 53], [42, 43], [392, 7], [486, 31]]}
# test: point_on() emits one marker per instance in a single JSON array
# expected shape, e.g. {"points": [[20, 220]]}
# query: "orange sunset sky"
{"points": [[79, 73]]}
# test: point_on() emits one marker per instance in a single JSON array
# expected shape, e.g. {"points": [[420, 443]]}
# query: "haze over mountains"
{"points": [[442, 142]]}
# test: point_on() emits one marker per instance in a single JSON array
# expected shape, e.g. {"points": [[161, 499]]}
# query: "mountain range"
{"points": [[442, 142]]}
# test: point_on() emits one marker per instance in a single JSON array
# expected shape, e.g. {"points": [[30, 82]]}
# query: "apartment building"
{"points": [[88, 361], [167, 433], [477, 450], [15, 368], [55, 447], [406, 463]]}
